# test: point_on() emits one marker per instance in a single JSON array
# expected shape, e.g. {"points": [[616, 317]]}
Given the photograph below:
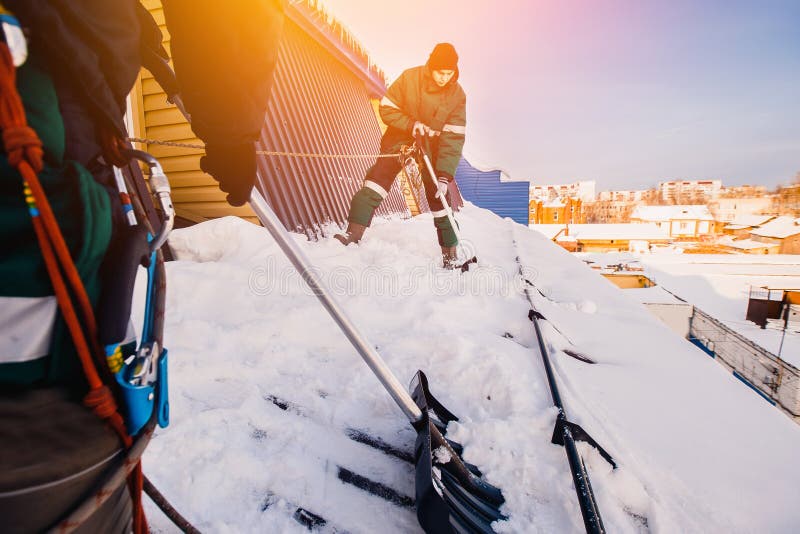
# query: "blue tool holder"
{"points": [[141, 400]]}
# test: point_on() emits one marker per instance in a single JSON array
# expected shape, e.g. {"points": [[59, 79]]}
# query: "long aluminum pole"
{"points": [[364, 348]]}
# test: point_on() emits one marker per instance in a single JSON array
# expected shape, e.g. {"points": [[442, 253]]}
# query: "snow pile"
{"points": [[267, 395]]}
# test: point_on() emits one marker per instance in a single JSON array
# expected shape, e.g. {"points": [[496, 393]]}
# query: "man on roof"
{"points": [[426, 101]]}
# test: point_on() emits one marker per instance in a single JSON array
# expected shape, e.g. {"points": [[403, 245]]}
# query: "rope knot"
{"points": [[22, 144], [101, 402]]}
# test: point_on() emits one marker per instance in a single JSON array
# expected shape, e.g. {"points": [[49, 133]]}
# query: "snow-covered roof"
{"points": [[748, 221], [484, 166], [268, 428], [625, 231], [653, 295], [672, 213], [779, 228], [548, 230], [746, 244]]}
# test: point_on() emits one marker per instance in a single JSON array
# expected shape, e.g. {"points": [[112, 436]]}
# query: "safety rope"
{"points": [[24, 151], [198, 146]]}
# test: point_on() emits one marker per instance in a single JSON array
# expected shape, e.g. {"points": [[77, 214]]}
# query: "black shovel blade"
{"points": [[450, 495], [466, 264]]}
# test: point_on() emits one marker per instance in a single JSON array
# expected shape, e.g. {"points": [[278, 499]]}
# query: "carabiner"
{"points": [[159, 185]]}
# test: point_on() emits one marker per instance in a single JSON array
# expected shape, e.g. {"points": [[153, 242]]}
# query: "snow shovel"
{"points": [[451, 496], [443, 198]]}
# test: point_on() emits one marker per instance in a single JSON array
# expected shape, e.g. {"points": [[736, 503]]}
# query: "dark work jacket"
{"points": [[414, 96], [223, 53]]}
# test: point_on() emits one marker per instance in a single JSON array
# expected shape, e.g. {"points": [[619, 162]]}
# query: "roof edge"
{"points": [[328, 31]]}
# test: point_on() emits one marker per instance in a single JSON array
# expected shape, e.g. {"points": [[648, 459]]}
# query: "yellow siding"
{"points": [[375, 105], [629, 281], [195, 194]]}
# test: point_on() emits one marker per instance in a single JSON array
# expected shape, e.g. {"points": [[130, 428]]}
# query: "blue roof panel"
{"points": [[484, 189]]}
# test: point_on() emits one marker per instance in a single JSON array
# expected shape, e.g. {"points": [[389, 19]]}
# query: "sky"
{"points": [[624, 92]]}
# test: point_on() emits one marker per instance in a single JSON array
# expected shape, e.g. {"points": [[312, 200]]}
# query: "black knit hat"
{"points": [[443, 57]]}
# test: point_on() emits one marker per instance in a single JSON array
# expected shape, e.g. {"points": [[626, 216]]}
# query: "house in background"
{"points": [[727, 209], [605, 237], [560, 210], [493, 190], [742, 225], [783, 232], [558, 204], [680, 221], [762, 234]]}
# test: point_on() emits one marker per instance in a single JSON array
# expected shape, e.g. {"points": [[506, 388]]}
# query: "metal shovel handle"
{"points": [[442, 198], [364, 348]]}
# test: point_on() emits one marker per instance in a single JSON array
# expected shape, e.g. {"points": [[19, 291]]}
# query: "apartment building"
{"points": [[689, 191]]}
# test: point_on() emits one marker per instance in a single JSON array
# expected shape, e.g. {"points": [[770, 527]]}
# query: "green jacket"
{"points": [[414, 96], [35, 345]]}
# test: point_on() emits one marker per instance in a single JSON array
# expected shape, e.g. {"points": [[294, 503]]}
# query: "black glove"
{"points": [[234, 167]]}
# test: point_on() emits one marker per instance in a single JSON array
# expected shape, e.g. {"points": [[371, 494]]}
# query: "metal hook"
{"points": [[159, 186]]}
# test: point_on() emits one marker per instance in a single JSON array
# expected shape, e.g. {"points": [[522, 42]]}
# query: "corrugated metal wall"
{"points": [[321, 102], [484, 189], [318, 105]]}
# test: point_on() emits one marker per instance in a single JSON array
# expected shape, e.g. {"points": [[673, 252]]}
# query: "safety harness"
{"points": [[24, 151]]}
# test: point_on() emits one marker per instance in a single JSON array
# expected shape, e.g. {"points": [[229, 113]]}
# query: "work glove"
{"points": [[234, 167], [444, 186], [422, 129]]}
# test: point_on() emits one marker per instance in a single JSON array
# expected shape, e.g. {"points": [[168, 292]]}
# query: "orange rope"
{"points": [[24, 150]]}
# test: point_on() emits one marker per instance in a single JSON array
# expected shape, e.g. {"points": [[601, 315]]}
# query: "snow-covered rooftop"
{"points": [[745, 244], [485, 166], [719, 284], [265, 391], [747, 221], [672, 213], [624, 231], [653, 295], [780, 228]]}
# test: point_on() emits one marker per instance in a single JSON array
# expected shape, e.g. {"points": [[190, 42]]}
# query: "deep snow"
{"points": [[697, 452]]}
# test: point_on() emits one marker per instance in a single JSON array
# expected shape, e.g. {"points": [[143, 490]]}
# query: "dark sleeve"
{"points": [[224, 54], [451, 141], [90, 45], [394, 104]]}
